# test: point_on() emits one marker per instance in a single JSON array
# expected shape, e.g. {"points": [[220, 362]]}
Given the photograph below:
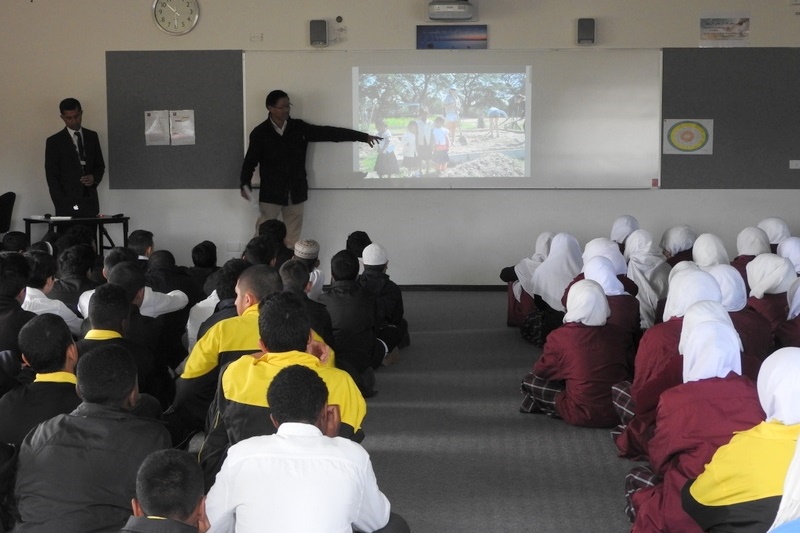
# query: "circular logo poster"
{"points": [[687, 137]]}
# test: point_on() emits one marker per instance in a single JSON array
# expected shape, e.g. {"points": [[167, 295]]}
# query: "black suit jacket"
{"points": [[63, 170]]}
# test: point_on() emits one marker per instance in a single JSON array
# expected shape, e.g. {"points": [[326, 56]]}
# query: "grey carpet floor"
{"points": [[450, 448]]}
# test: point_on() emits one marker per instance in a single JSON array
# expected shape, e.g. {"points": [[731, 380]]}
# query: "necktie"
{"points": [[81, 152]]}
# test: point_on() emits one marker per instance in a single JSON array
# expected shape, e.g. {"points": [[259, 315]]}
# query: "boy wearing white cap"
{"points": [[392, 327]]}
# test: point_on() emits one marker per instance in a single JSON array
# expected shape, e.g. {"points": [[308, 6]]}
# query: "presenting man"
{"points": [[278, 145], [74, 165]]}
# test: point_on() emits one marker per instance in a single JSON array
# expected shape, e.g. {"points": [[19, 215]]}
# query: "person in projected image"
{"points": [[440, 139], [279, 146], [452, 110]]}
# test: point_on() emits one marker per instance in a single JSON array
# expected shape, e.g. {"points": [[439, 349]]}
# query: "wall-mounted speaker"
{"points": [[318, 32], [585, 31]]}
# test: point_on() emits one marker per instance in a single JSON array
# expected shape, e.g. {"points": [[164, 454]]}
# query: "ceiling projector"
{"points": [[450, 10]]}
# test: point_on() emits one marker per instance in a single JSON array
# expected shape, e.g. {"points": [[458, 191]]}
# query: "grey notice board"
{"points": [[753, 97], [208, 82]]}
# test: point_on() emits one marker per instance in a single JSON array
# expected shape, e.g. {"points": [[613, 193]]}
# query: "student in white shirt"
{"points": [[40, 281]]}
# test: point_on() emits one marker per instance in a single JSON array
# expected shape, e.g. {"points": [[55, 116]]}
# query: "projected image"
{"points": [[470, 124]]}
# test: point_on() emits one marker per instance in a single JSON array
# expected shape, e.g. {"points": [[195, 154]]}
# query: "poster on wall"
{"points": [[723, 30], [688, 137], [449, 37]]}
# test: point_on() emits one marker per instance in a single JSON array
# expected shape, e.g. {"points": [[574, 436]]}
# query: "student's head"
{"points": [[169, 484], [107, 375], [296, 394], [160, 260], [307, 251], [15, 241], [412, 126], [76, 260], [344, 266], [254, 284], [228, 276], [295, 275], [357, 241], [77, 234], [273, 228], [71, 113], [260, 251], [109, 307], [42, 270], [274, 98], [115, 256], [46, 344], [14, 270], [438, 121], [375, 257], [141, 242], [283, 323], [204, 255], [131, 278]]}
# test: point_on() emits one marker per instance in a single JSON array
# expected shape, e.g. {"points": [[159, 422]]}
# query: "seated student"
{"points": [[352, 310], [740, 488], [579, 363], [275, 230], [708, 250], [224, 342], [219, 305], [204, 262], [552, 277], [109, 312], [295, 277], [14, 271], [693, 419], [77, 472], [750, 242], [520, 281], [47, 347], [74, 265], [356, 242], [770, 277], [636, 402], [624, 307], [267, 481], [649, 271], [40, 283], [141, 242], [790, 249], [752, 328], [307, 252], [392, 328], [622, 227], [240, 409], [169, 495], [677, 243], [777, 230], [15, 241]]}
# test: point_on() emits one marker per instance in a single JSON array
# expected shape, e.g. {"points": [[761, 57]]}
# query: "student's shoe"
{"points": [[392, 357]]}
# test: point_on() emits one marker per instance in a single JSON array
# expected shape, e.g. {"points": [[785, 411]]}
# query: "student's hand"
{"points": [[331, 421], [87, 180], [246, 191], [372, 140], [319, 349]]}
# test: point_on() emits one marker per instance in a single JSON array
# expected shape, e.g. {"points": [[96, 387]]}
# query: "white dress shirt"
{"points": [[317, 280], [296, 480], [198, 314], [154, 304], [37, 302]]}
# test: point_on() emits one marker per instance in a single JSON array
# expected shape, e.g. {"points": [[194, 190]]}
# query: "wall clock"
{"points": [[176, 17]]}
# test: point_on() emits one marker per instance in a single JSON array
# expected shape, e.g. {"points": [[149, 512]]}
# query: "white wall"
{"points": [[51, 50]]}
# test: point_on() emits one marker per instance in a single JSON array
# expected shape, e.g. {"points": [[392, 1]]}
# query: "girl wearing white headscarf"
{"points": [[694, 418], [525, 268], [579, 363], [676, 244], [776, 229], [770, 276], [624, 307], [741, 487], [621, 228], [602, 247], [708, 250], [561, 266], [750, 242], [752, 327], [790, 249], [648, 269], [788, 332]]}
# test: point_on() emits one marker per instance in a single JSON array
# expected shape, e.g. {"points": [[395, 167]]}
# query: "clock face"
{"points": [[176, 17]]}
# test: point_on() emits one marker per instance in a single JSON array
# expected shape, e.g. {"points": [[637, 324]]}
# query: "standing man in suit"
{"points": [[74, 165]]}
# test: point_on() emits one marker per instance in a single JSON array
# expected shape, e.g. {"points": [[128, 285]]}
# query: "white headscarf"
{"points": [[649, 270], [527, 266], [622, 227], [711, 351], [752, 241], [683, 266], [776, 229], [608, 249], [790, 249], [708, 251], [769, 274], [793, 299], [777, 386], [705, 311], [601, 270], [587, 304], [558, 270], [677, 239], [731, 285], [688, 287]]}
